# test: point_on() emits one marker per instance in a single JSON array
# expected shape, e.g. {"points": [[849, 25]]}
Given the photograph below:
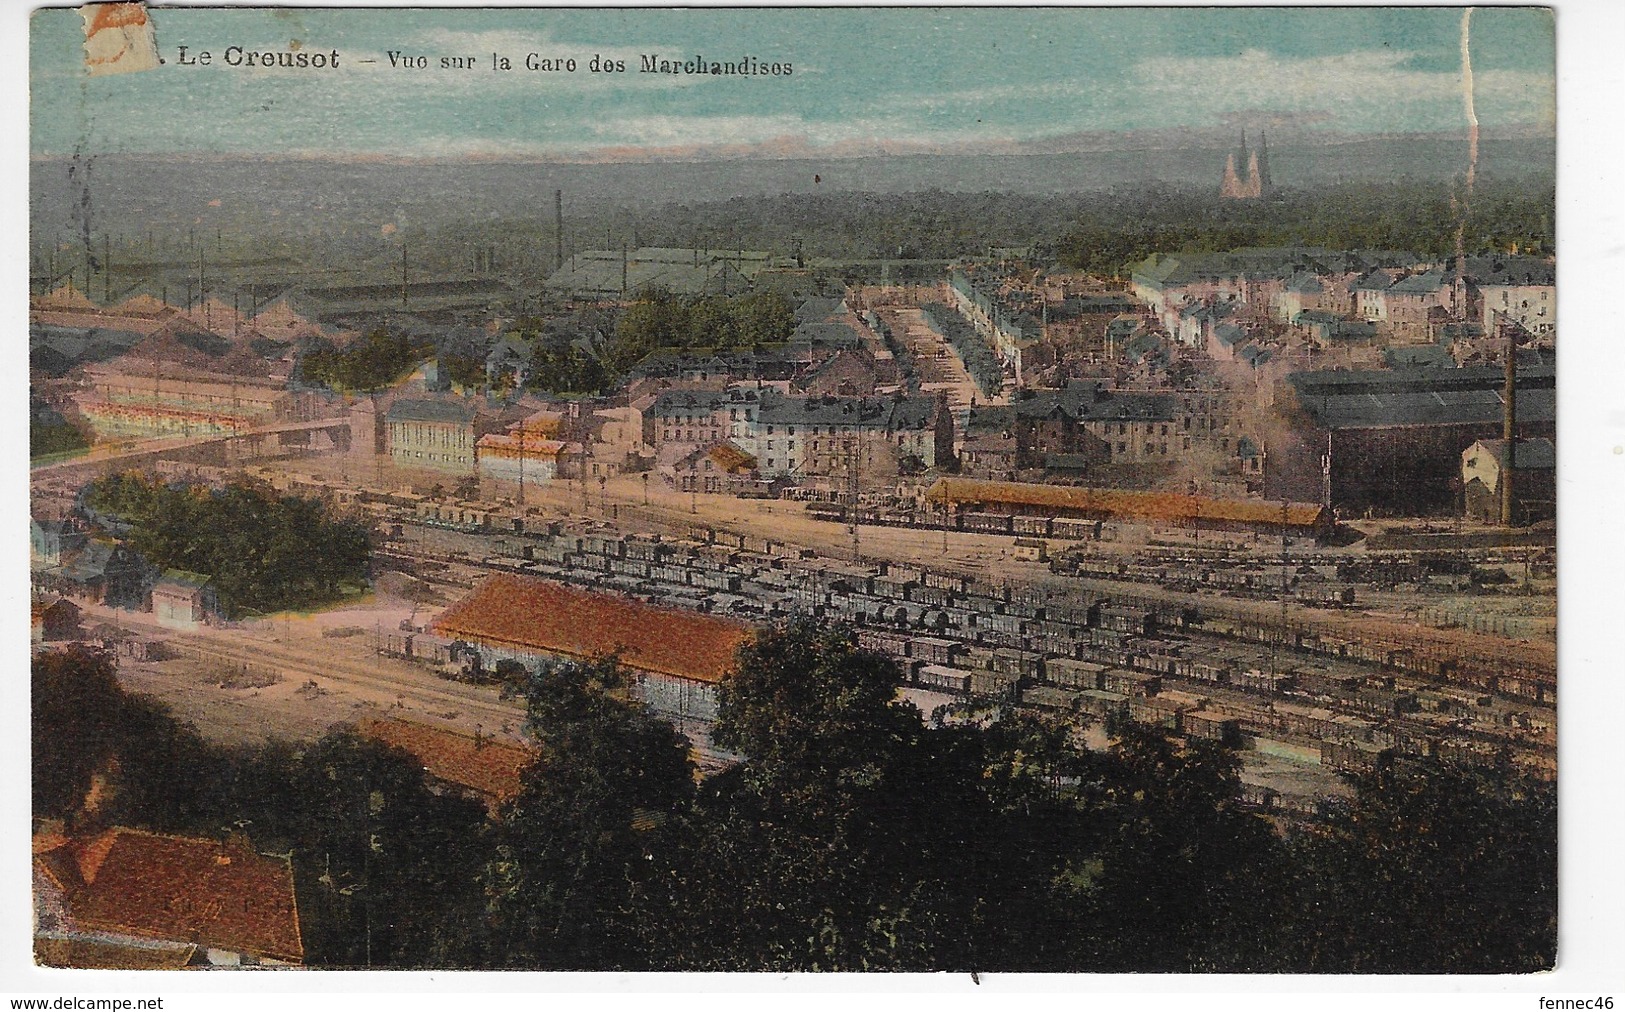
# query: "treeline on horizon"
{"points": [[852, 835], [1102, 231], [1098, 229]]}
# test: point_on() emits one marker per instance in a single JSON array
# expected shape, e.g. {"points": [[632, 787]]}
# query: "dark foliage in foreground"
{"points": [[851, 836]]}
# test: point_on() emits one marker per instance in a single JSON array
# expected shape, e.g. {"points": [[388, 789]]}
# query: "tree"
{"points": [[1436, 868], [372, 362], [1187, 879], [388, 860], [77, 703], [853, 837], [582, 875], [263, 551]]}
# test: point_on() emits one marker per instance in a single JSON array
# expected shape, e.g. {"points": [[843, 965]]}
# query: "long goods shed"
{"points": [[1164, 508], [524, 616]]}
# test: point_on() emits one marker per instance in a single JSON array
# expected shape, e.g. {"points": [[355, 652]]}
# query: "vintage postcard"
{"points": [[786, 490]]}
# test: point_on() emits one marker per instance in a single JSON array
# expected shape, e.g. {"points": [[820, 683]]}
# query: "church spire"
{"points": [[1264, 183]]}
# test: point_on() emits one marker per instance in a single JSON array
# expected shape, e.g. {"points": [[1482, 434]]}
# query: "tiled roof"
{"points": [[182, 580], [480, 764], [731, 458], [222, 896], [429, 411], [106, 954], [1531, 454], [687, 402], [1514, 271], [547, 617], [1338, 399], [869, 412], [1419, 284], [1157, 507], [1089, 402]]}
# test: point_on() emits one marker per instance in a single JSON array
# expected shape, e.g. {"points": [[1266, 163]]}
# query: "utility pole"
{"points": [[1509, 425], [1286, 577], [853, 456], [558, 230]]}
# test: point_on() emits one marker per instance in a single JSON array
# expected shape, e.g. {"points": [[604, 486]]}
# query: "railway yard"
{"points": [[1314, 659]]}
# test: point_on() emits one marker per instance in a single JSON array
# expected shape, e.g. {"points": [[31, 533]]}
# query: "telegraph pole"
{"points": [[1509, 425]]}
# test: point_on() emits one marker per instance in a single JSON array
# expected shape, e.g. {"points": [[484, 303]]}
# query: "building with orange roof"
{"points": [[529, 619], [128, 896], [477, 764], [521, 454], [1165, 508]]}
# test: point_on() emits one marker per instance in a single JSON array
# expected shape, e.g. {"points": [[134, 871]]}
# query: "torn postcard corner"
{"points": [[119, 38]]}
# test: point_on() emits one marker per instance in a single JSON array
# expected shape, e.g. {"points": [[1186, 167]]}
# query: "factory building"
{"points": [[1393, 439]]}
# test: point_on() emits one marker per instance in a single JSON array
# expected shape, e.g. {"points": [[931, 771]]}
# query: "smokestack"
{"points": [[558, 229], [1509, 425]]}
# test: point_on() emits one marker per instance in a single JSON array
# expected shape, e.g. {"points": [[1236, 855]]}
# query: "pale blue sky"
{"points": [[862, 78]]}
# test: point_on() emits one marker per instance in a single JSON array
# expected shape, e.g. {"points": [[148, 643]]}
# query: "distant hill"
{"points": [[129, 194]]}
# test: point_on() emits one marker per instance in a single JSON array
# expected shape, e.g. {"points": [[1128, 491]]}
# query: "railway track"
{"points": [[446, 696]]}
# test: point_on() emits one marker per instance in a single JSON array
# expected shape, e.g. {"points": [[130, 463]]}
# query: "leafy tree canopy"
{"points": [[264, 552]]}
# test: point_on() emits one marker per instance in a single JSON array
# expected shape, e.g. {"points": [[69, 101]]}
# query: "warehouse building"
{"points": [[1395, 437], [679, 656]]}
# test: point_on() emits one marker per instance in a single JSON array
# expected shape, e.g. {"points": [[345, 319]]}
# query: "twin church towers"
{"points": [[1256, 183]]}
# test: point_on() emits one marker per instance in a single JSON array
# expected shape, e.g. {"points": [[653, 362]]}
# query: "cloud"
{"points": [[1361, 90], [1276, 119]]}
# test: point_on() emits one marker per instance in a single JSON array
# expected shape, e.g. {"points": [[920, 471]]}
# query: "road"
{"points": [[346, 667]]}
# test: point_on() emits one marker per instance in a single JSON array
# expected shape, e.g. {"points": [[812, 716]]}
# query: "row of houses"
{"points": [[151, 399], [1087, 422], [795, 436], [1373, 291], [1029, 318]]}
